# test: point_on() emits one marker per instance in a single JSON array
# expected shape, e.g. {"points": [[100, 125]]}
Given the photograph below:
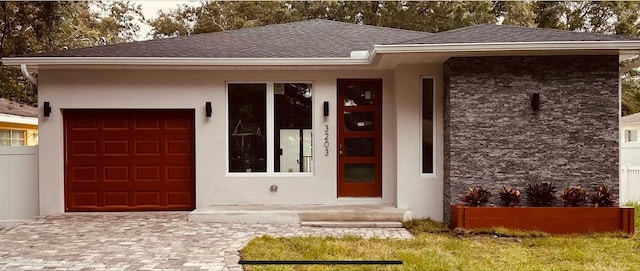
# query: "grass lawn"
{"points": [[435, 248]]}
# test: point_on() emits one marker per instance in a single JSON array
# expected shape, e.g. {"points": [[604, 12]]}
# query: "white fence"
{"points": [[18, 184], [629, 183]]}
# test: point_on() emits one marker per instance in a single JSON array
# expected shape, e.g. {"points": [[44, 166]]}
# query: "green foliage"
{"points": [[540, 194], [602, 197], [476, 196], [509, 197], [31, 27], [630, 92], [573, 196]]}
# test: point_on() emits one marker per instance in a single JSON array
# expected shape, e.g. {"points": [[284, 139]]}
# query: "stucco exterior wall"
{"points": [[417, 191], [493, 136], [190, 89]]}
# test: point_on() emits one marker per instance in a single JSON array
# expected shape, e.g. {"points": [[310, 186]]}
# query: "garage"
{"points": [[129, 160]]}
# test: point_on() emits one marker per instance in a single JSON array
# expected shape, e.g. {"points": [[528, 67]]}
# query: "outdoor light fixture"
{"points": [[535, 101], [47, 109], [208, 109], [326, 109]]}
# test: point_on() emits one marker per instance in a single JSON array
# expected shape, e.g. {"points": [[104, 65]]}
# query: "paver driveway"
{"points": [[142, 241]]}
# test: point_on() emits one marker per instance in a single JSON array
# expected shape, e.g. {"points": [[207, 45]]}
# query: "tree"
{"points": [[32, 27]]}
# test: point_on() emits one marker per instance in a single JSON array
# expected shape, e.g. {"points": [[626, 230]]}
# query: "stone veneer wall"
{"points": [[494, 137]]}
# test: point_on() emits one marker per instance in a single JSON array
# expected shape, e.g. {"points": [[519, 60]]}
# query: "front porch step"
{"points": [[351, 224], [371, 215]]}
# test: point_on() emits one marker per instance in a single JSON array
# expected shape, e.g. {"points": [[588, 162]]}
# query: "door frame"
{"points": [[359, 189]]}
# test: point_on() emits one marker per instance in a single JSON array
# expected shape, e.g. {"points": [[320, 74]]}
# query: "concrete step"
{"points": [[351, 224], [296, 214]]}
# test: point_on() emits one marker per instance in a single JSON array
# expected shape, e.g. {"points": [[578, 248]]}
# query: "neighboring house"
{"points": [[328, 113], [630, 140], [18, 124]]}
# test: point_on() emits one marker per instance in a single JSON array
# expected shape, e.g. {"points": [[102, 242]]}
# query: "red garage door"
{"points": [[129, 160]]}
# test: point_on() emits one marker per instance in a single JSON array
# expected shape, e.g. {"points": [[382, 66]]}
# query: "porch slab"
{"points": [[370, 215]]}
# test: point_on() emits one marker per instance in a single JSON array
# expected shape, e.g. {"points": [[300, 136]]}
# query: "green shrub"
{"points": [[540, 194]]}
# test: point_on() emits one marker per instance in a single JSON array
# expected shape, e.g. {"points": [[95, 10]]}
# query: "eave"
{"points": [[624, 49]]}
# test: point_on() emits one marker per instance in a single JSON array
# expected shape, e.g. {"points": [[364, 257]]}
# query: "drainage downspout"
{"points": [[28, 75]]}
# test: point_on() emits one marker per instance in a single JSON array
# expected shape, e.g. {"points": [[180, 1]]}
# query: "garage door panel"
{"points": [[116, 174], [119, 160], [84, 148], [179, 173], [116, 199], [85, 174], [179, 147], [149, 198], [143, 122], [116, 147], [147, 173], [116, 124], [178, 198], [84, 124], [85, 198], [147, 147]]}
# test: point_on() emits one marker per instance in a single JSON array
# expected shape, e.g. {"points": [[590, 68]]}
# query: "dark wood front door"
{"points": [[129, 160], [359, 137]]}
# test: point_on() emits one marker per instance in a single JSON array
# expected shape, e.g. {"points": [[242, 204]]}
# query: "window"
{"points": [[631, 135], [270, 127], [12, 138], [427, 125]]}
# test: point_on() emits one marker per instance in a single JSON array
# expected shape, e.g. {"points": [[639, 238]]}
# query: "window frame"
{"points": [[434, 127], [627, 136], [270, 131], [12, 138]]}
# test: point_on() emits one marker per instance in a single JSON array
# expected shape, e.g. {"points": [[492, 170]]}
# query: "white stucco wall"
{"points": [[422, 193], [189, 89], [629, 151]]}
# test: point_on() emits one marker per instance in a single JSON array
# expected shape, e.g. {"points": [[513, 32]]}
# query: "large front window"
{"points": [[270, 127], [12, 138]]}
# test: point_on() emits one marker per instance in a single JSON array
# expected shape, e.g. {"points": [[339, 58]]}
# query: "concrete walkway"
{"points": [[143, 241]]}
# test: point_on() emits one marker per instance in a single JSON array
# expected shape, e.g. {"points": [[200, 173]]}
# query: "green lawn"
{"points": [[435, 248]]}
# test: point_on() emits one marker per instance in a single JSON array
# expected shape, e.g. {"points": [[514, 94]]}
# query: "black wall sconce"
{"points": [[535, 101], [325, 109], [47, 109], [208, 109]]}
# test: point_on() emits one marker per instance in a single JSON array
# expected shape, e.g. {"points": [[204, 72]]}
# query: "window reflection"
{"points": [[293, 125], [247, 120]]}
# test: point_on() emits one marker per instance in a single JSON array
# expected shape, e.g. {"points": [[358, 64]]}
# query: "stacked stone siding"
{"points": [[494, 137]]}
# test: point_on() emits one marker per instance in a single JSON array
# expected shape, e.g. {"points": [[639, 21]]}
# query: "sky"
{"points": [[150, 9]]}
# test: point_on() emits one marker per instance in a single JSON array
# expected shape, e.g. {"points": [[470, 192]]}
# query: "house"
{"points": [[320, 112], [629, 140], [630, 158], [18, 124]]}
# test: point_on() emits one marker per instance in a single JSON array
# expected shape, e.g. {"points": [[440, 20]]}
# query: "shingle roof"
{"points": [[317, 39], [633, 118], [311, 38], [13, 108], [491, 33]]}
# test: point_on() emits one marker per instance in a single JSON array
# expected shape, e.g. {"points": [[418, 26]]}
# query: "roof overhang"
{"points": [[8, 118], [626, 50]]}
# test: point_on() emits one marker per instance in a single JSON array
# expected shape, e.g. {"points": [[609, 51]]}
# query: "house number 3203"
{"points": [[326, 140]]}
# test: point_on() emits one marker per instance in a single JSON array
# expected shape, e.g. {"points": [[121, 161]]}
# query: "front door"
{"points": [[359, 137]]}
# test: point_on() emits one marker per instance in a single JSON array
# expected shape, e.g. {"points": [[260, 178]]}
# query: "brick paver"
{"points": [[143, 241]]}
